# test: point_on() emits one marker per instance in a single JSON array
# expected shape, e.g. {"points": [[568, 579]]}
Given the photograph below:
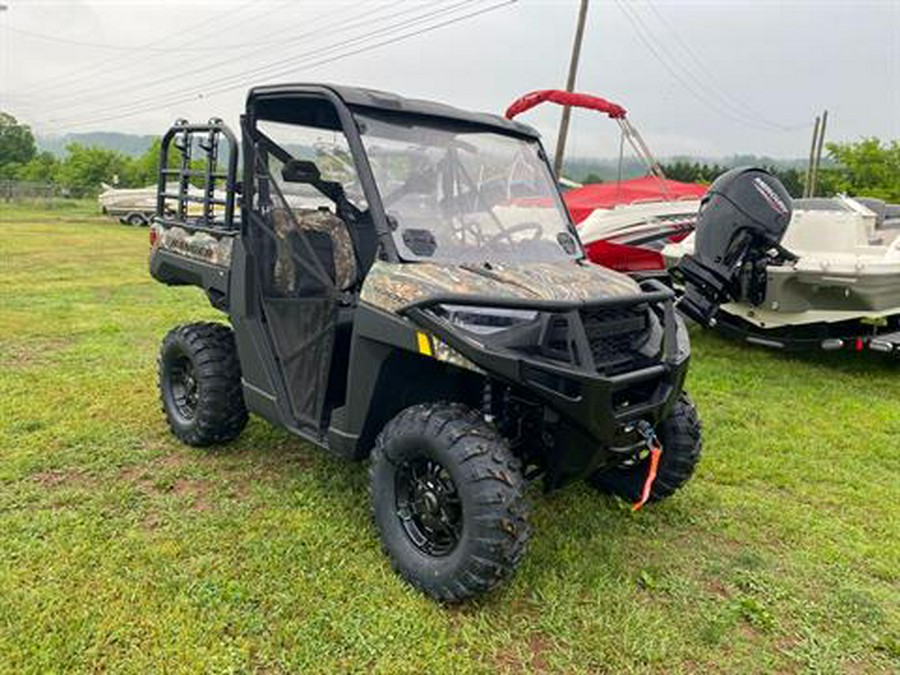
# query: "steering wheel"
{"points": [[508, 232]]}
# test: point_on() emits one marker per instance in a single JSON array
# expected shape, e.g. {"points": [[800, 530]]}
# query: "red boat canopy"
{"points": [[528, 101], [583, 201]]}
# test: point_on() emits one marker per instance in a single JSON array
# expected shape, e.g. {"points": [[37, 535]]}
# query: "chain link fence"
{"points": [[46, 195]]}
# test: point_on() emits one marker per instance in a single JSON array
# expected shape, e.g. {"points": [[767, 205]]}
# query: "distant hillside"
{"points": [[127, 144]]}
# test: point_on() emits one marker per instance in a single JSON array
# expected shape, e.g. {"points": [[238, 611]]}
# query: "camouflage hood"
{"points": [[392, 286]]}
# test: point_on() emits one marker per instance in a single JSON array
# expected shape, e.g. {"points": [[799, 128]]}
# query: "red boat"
{"points": [[624, 224]]}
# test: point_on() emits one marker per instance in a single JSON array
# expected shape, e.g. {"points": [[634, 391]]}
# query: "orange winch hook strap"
{"points": [[655, 454]]}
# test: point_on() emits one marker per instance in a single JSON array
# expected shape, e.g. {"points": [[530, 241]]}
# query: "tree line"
{"points": [[80, 172], [695, 172], [867, 167], [864, 168]]}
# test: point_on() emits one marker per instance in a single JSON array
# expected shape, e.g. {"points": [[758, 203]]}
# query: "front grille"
{"points": [[616, 335]]}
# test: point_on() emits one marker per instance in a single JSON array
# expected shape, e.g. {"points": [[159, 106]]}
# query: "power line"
{"points": [[312, 64], [361, 50], [646, 36], [192, 90], [290, 64], [723, 95], [711, 103], [105, 65], [56, 39], [336, 26]]}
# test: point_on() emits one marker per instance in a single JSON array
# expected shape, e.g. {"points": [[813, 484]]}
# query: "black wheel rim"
{"points": [[428, 506], [183, 384]]}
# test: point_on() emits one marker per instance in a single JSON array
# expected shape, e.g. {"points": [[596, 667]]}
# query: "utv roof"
{"points": [[358, 97]]}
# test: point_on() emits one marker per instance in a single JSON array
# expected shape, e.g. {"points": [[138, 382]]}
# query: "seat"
{"points": [[331, 244]]}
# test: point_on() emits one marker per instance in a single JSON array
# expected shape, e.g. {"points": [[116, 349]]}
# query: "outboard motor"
{"points": [[742, 218]]}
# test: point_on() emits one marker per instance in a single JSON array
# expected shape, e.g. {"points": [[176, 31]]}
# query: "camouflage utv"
{"points": [[405, 286]]}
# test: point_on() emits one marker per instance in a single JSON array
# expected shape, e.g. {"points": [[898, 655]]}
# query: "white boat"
{"points": [[133, 206], [841, 291]]}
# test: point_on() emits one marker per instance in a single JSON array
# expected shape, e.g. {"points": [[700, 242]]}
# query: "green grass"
{"points": [[122, 550]]}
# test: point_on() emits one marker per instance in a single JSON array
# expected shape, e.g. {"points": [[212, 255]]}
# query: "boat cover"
{"points": [[583, 201]]}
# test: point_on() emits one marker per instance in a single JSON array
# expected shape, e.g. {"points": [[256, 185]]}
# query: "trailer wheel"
{"points": [[200, 384], [447, 499], [136, 219], [681, 440]]}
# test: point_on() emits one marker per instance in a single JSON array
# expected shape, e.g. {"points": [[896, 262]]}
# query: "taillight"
{"points": [[154, 235]]}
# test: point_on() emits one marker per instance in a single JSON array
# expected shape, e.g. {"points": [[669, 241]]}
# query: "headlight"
{"points": [[485, 320]]}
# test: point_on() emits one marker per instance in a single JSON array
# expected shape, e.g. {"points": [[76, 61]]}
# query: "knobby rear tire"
{"points": [[218, 413]]}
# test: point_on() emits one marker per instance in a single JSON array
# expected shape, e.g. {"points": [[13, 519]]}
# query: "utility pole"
{"points": [[807, 186], [815, 168], [570, 86]]}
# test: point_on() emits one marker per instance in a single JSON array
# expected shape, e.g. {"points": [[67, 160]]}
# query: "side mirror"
{"points": [[300, 171]]}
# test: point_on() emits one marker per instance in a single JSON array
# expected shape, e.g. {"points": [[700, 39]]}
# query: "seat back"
{"points": [[319, 226]]}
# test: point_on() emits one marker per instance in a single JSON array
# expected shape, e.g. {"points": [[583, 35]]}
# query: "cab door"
{"points": [[302, 262]]}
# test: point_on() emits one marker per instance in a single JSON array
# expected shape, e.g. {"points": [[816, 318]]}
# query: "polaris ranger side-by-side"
{"points": [[404, 284]]}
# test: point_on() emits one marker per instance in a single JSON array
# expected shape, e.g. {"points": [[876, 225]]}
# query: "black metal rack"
{"points": [[183, 138]]}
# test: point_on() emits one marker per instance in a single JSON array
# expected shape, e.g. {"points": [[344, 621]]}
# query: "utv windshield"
{"points": [[458, 193]]}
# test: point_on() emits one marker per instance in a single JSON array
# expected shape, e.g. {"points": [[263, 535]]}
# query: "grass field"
{"points": [[121, 550]]}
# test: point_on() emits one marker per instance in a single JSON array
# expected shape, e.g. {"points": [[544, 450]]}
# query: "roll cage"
{"points": [[280, 104], [200, 185]]}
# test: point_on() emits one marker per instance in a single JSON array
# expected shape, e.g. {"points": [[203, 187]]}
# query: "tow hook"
{"points": [[645, 429]]}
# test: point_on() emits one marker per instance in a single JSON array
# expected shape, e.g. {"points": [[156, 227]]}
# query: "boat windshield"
{"points": [[453, 192]]}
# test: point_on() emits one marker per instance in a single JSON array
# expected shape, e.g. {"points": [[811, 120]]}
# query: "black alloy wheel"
{"points": [[429, 506]]}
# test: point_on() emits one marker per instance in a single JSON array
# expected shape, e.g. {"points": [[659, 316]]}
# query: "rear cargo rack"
{"points": [[198, 176]]}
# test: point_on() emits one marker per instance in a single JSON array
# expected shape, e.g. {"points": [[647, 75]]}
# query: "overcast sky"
{"points": [[706, 78]]}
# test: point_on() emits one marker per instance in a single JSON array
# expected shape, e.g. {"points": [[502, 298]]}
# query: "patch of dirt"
{"points": [[509, 662], [197, 490], [146, 477], [239, 490], [56, 477], [34, 352], [159, 475], [152, 521], [717, 588], [748, 631], [132, 473], [139, 473], [539, 645]]}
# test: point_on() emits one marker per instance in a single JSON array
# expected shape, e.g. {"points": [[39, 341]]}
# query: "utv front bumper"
{"points": [[599, 398]]}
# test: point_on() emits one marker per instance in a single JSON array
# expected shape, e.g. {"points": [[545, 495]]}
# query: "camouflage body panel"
{"points": [[200, 246], [446, 354], [392, 286], [313, 220]]}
